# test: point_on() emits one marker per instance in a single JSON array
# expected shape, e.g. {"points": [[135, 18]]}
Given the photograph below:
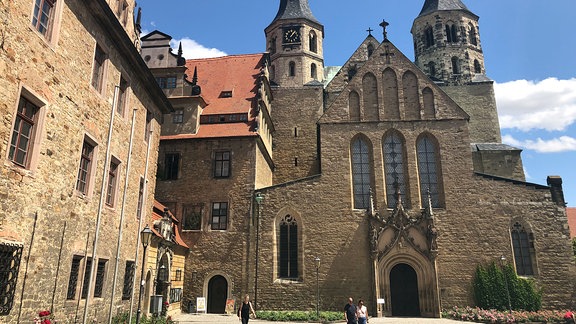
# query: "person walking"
{"points": [[350, 312], [362, 312], [245, 310]]}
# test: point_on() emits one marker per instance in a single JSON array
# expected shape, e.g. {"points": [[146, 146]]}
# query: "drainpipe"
{"points": [[142, 215], [126, 176], [100, 205]]}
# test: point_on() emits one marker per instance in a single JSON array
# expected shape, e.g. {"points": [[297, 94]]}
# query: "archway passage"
{"points": [[217, 293], [404, 291]]}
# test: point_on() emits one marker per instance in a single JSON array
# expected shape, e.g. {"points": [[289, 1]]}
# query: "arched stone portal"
{"points": [[217, 293], [404, 297]]}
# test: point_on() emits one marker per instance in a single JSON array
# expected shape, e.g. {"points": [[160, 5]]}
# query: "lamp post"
{"points": [[317, 260], [503, 262], [146, 237], [258, 197]]}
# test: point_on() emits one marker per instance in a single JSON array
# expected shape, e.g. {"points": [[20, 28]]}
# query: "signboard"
{"points": [[380, 301], [230, 306], [200, 304]]}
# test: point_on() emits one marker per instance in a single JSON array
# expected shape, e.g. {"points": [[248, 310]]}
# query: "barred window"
{"points": [[10, 256], [100, 276], [288, 254], [128, 280], [87, 267], [175, 295], [395, 169], [73, 280], [219, 216], [178, 275], [428, 170], [361, 173], [524, 253], [192, 217]]}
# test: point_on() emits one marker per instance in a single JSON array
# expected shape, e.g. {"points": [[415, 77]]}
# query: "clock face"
{"points": [[291, 35]]}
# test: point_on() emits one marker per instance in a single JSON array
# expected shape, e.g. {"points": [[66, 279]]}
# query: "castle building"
{"points": [[387, 181], [79, 138]]}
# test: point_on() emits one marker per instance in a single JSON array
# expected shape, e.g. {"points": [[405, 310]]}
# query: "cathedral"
{"points": [[384, 179]]}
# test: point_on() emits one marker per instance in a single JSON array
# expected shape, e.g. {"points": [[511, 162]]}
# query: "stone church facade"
{"points": [[391, 174]]}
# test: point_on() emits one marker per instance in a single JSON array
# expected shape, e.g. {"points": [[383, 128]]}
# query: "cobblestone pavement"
{"points": [[217, 318]]}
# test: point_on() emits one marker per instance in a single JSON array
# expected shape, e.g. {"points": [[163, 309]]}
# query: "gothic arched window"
{"points": [[477, 67], [451, 35], [394, 168], [313, 40], [523, 244], [472, 35], [429, 169], [361, 172], [370, 49], [291, 69], [455, 65], [288, 248]]}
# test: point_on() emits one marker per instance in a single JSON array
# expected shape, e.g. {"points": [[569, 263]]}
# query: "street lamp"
{"points": [[317, 260], [146, 237], [258, 197], [503, 262]]}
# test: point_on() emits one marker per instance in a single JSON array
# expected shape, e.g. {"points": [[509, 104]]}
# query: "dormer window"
{"points": [[166, 82], [226, 94]]}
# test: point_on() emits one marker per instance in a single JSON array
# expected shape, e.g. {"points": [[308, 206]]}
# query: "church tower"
{"points": [[294, 40], [448, 49]]}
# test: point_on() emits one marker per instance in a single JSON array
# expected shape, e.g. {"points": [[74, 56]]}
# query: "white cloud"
{"points": [[549, 104], [192, 50], [555, 145]]}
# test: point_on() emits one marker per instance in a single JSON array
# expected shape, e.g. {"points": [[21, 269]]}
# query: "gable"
{"points": [[387, 86]]}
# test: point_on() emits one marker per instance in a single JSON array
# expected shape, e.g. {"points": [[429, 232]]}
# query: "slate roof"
{"points": [[293, 9], [493, 147], [431, 6]]}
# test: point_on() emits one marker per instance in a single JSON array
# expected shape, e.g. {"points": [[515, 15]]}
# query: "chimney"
{"points": [[555, 184]]}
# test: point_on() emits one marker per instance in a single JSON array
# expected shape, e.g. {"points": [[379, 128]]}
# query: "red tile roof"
{"points": [[236, 73], [157, 214], [571, 213]]}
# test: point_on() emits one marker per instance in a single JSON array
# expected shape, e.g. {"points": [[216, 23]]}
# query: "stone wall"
{"points": [[41, 208]]}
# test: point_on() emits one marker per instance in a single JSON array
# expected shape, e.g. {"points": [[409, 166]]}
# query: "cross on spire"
{"points": [[369, 30], [384, 24]]}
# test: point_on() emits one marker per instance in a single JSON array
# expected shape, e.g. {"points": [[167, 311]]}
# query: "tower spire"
{"points": [[442, 5], [292, 9]]}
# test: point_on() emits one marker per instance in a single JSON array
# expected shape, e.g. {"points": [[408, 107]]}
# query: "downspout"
{"points": [[101, 205], [58, 267], [142, 215], [123, 209]]}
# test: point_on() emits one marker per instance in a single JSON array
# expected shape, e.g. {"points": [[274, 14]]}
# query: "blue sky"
{"points": [[529, 49]]}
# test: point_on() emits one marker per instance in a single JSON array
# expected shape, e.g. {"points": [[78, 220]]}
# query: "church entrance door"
{"points": [[404, 291], [217, 293]]}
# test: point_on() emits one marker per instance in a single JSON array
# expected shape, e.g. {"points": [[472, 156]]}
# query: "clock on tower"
{"points": [[291, 35]]}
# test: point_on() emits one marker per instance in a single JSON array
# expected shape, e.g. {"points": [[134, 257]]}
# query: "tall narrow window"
{"points": [[112, 180], [43, 17], [86, 280], [451, 35], [83, 182], [395, 169], [98, 68], [73, 279], [219, 216], [291, 69], [122, 96], [272, 46], [370, 49], [455, 65], [313, 40], [361, 173], [477, 67], [148, 129], [432, 69], [524, 254], [23, 133], [192, 217], [288, 254], [10, 256], [171, 165], [428, 170], [100, 276], [128, 280], [429, 36], [222, 164], [313, 71], [122, 12], [472, 34], [140, 199]]}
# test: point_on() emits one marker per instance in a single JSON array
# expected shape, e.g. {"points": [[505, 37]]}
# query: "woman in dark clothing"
{"points": [[245, 309]]}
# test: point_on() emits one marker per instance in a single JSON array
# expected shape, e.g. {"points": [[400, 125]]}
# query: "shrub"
{"points": [[299, 316], [122, 318]]}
